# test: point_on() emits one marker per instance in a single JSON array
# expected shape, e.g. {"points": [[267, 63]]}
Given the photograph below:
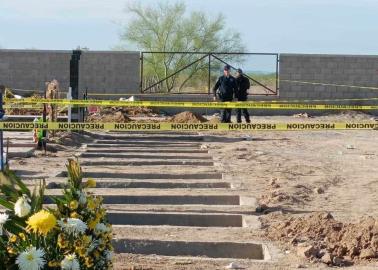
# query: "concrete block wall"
{"points": [[100, 72], [110, 72], [354, 70], [30, 69]]}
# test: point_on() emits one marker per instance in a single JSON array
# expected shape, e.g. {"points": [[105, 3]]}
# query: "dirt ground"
{"points": [[297, 177]]}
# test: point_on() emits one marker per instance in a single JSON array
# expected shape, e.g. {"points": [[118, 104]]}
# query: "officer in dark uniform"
{"points": [[224, 90], [241, 94]]}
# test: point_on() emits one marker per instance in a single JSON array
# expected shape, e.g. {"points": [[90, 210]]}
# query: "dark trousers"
{"points": [[226, 116], [244, 111], [226, 113], [41, 144]]}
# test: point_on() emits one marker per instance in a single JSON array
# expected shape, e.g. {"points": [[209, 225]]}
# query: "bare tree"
{"points": [[166, 27]]}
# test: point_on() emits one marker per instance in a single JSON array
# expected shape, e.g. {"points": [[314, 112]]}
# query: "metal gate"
{"points": [[171, 72]]}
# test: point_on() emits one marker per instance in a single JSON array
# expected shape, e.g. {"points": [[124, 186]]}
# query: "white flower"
{"points": [[22, 207], [73, 226], [82, 198], [70, 263], [101, 228], [31, 259], [3, 218], [109, 255]]}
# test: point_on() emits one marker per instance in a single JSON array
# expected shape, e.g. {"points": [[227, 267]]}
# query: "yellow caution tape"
{"points": [[317, 100], [124, 127], [257, 101], [219, 105]]}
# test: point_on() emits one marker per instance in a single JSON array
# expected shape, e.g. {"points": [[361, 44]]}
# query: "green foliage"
{"points": [[11, 189], [168, 27]]}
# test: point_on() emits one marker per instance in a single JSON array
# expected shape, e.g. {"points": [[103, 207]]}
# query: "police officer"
{"points": [[241, 94], [224, 90]]}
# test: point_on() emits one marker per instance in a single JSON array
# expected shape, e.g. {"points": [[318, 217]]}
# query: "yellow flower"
{"points": [[91, 183], [74, 170], [22, 236], [92, 224], [78, 243], [13, 238], [99, 200], [101, 213], [96, 254], [109, 236], [62, 243], [81, 252], [53, 264], [75, 215], [91, 204], [101, 247], [42, 222], [88, 262], [74, 205], [86, 240], [11, 250]]}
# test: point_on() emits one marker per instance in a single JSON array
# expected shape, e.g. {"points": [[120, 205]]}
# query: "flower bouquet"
{"points": [[72, 233]]}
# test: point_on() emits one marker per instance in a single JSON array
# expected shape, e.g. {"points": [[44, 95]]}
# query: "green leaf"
{"points": [[6, 204], [22, 186]]}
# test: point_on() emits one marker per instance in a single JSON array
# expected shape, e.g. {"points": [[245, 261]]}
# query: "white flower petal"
{"points": [[22, 207], [3, 218], [31, 259], [73, 226], [101, 228], [70, 263]]}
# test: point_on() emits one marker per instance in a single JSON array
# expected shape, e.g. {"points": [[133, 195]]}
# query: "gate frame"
{"points": [[209, 55]]}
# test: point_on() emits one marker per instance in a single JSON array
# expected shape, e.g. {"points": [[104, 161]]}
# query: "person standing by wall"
{"points": [[224, 90], [241, 94]]}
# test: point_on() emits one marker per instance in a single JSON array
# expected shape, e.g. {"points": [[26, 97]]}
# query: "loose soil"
{"points": [[188, 117], [319, 237], [116, 114], [109, 116], [316, 189]]}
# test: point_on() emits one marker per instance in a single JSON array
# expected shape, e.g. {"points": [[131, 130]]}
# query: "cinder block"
{"points": [[325, 94], [296, 76]]}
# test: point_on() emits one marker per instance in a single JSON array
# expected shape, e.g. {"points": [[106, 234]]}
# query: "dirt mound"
{"points": [[68, 139], [139, 111], [349, 115], [23, 111], [17, 111], [280, 194], [109, 116], [188, 117], [320, 237], [215, 120]]}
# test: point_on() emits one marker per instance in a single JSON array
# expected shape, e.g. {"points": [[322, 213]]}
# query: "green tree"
{"points": [[167, 27]]}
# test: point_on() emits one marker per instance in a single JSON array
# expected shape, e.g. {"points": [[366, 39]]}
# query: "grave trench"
{"points": [[204, 189]]}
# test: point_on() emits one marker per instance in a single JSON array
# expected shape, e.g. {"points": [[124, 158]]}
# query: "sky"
{"points": [[282, 26]]}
